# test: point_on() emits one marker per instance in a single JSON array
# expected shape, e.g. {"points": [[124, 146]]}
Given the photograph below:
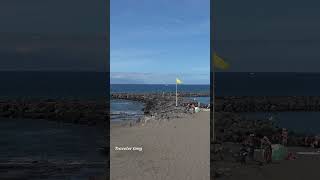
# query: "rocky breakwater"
{"points": [[160, 105], [232, 127], [70, 111], [267, 103]]}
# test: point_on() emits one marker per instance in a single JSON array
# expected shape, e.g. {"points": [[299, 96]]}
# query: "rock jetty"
{"points": [[70, 111], [157, 105], [266, 103], [160, 105], [232, 127]]}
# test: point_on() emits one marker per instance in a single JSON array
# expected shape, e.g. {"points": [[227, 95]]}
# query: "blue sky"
{"points": [[156, 41]]}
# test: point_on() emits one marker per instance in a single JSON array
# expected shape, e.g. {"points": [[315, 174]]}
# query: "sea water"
{"points": [[46, 140]]}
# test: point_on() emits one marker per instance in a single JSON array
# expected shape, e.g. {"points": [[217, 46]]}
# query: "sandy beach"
{"points": [[178, 148]]}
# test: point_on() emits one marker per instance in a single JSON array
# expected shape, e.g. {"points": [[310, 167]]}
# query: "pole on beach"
{"points": [[178, 81], [176, 94], [212, 72]]}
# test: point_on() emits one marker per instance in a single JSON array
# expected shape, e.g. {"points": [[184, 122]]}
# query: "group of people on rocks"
{"points": [[190, 107], [313, 142], [252, 141]]}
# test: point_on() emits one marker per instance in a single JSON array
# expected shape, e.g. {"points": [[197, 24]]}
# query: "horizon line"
{"points": [[152, 84]]}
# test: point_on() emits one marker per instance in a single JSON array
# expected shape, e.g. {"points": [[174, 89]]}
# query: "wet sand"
{"points": [[171, 149]]}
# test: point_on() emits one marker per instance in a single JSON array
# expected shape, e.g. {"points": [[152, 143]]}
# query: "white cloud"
{"points": [[158, 78]]}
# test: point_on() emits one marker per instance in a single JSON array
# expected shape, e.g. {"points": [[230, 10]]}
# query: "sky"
{"points": [[59, 35], [153, 42], [268, 36]]}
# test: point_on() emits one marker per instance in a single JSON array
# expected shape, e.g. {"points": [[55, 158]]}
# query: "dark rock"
{"points": [[84, 112], [267, 103]]}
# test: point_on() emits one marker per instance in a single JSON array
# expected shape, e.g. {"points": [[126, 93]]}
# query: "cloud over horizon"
{"points": [[157, 78]]}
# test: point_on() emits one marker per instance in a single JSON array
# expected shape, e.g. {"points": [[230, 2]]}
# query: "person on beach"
{"points": [[315, 143], [306, 141], [250, 144], [243, 153], [188, 107], [284, 136], [193, 107], [267, 149]]}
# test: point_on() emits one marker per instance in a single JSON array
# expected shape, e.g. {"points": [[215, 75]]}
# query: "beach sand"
{"points": [[175, 149], [305, 167]]}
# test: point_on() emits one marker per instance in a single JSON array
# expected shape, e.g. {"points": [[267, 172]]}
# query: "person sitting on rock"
{"points": [[193, 107]]}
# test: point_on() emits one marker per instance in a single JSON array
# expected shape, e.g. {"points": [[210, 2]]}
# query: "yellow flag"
{"points": [[178, 81], [219, 62]]}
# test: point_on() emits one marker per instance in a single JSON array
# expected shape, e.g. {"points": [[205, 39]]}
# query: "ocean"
{"points": [[157, 88], [130, 110], [66, 85], [267, 84], [46, 140], [274, 84]]}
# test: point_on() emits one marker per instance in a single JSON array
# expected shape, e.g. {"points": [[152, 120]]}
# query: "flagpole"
{"points": [[212, 70], [176, 94]]}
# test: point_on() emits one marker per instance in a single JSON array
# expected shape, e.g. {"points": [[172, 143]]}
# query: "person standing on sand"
{"points": [[306, 139], [251, 146], [267, 149], [250, 143], [315, 143]]}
